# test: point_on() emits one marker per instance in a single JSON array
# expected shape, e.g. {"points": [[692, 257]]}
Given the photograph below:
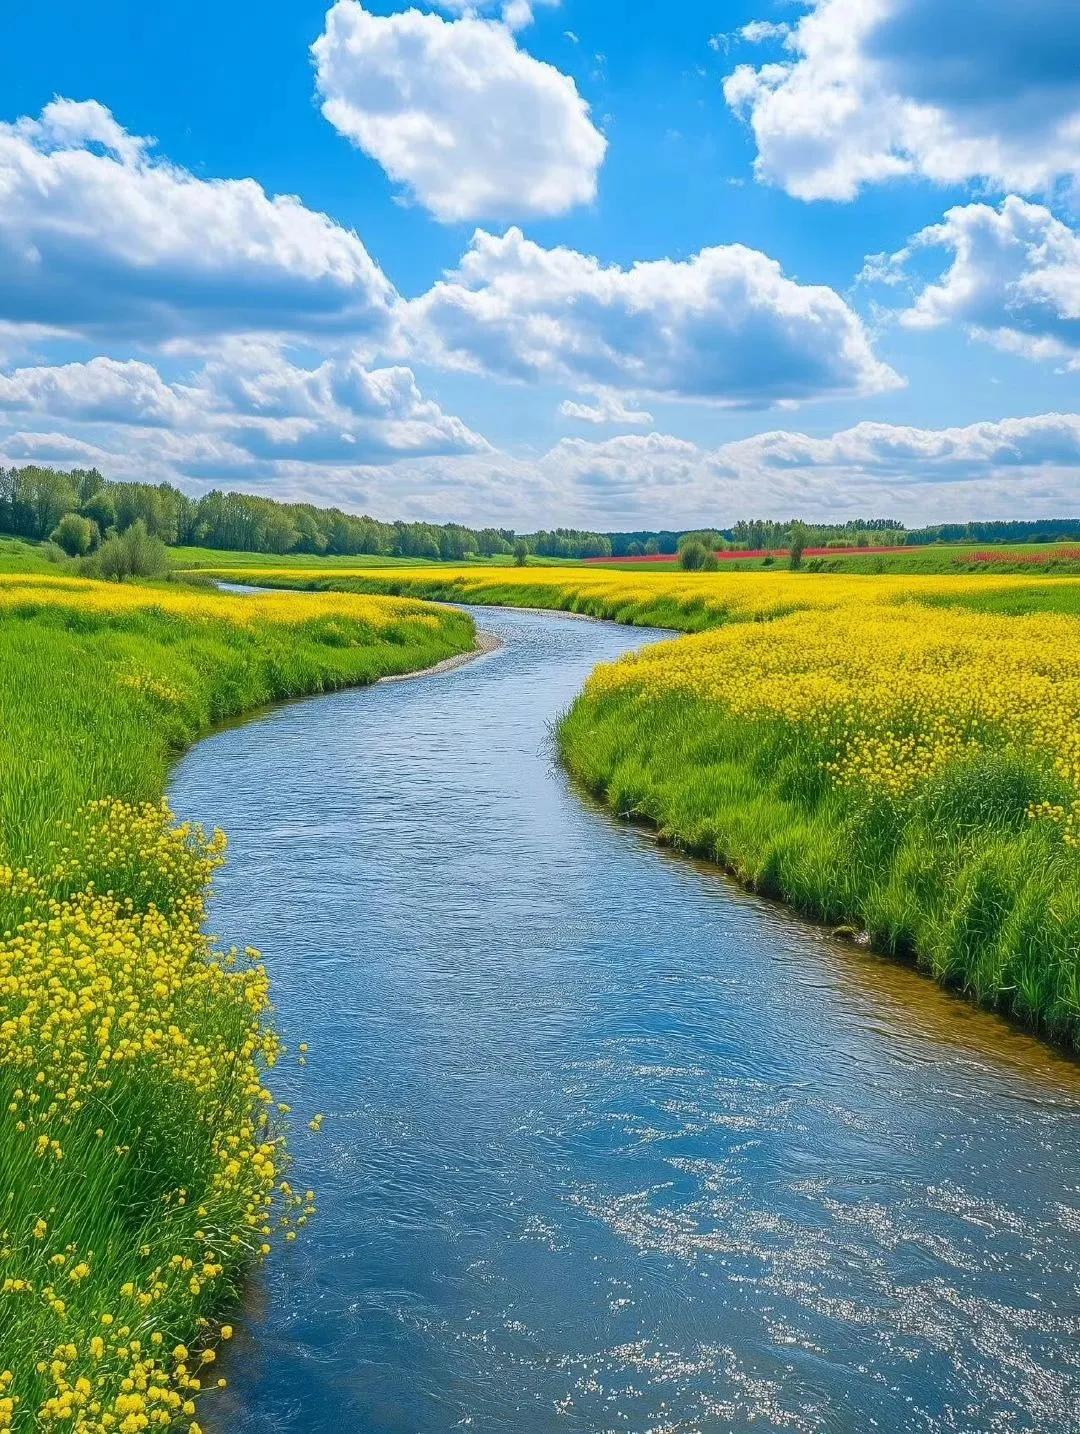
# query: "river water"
{"points": [[610, 1144]]}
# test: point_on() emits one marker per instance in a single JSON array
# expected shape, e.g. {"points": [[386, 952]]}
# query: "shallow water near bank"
{"points": [[611, 1144]]}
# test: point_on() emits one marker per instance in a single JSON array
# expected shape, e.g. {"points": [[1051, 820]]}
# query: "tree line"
{"points": [[80, 509]]}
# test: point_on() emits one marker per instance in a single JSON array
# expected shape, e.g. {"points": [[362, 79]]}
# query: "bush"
{"points": [[134, 553], [693, 555], [75, 534]]}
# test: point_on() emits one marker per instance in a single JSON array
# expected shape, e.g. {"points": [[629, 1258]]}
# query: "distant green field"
{"points": [[226, 558], [936, 558], [1034, 559]]}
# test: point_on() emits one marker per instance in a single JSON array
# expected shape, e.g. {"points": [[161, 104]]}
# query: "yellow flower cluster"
{"points": [[24, 595], [142, 1170], [888, 692], [739, 596]]}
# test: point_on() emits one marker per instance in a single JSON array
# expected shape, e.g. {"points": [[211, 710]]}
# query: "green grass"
{"points": [[937, 558], [1016, 602], [132, 1053], [72, 731], [18, 556], [956, 879]]}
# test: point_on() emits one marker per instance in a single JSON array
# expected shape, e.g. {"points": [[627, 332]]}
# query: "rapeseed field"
{"points": [[142, 1155]]}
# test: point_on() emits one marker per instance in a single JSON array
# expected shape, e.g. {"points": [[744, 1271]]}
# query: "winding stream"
{"points": [[610, 1144]]}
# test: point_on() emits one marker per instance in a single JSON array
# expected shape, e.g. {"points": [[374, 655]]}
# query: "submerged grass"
{"points": [[141, 1159]]}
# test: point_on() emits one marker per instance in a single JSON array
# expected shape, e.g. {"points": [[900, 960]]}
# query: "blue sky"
{"points": [[672, 318]]}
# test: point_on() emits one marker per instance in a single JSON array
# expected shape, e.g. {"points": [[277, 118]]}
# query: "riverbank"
{"points": [[897, 756], [485, 644], [142, 1154]]}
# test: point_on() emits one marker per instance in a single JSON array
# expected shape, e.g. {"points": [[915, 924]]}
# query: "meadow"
{"points": [[898, 756], [142, 1155], [1061, 559]]}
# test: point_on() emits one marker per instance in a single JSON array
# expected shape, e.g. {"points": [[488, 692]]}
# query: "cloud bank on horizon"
{"points": [[161, 320]]}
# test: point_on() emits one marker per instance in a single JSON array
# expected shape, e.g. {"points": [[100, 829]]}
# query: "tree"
{"points": [[100, 508], [652, 548], [521, 553], [800, 537], [75, 534], [634, 550]]}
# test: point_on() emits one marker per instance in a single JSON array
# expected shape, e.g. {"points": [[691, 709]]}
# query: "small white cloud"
{"points": [[757, 32], [608, 408], [969, 89], [725, 326], [456, 112]]}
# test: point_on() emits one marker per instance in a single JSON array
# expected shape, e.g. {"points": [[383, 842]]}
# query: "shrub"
{"points": [[135, 553], [692, 556], [75, 534]]}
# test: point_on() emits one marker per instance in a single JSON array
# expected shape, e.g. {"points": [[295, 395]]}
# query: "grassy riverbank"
{"points": [[913, 772], [898, 755], [141, 1161], [684, 602]]}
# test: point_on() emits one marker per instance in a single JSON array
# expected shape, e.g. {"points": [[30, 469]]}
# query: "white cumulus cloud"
{"points": [[635, 480], [1013, 278], [726, 326], [950, 90], [249, 402], [100, 238], [456, 112]]}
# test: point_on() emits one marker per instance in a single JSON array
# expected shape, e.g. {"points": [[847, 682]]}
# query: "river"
{"points": [[611, 1144]]}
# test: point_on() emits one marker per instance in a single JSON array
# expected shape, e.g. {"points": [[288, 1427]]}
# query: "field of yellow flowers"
{"points": [[908, 764], [142, 1165], [897, 754]]}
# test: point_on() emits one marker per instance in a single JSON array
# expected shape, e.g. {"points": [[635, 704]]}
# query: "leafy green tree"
{"points": [[521, 553], [75, 534], [798, 543], [100, 508]]}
